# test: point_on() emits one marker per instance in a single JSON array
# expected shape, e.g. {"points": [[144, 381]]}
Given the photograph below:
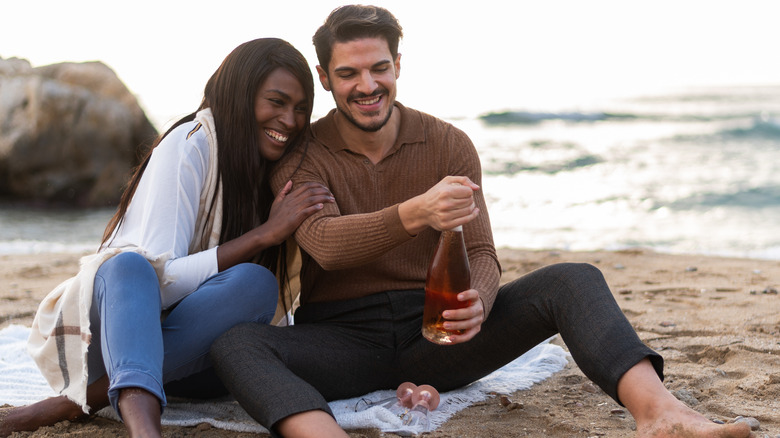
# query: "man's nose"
{"points": [[367, 84]]}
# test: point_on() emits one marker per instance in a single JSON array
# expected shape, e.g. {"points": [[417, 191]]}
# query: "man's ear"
{"points": [[323, 78], [397, 65]]}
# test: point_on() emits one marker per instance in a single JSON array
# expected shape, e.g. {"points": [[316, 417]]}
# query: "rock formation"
{"points": [[70, 133]]}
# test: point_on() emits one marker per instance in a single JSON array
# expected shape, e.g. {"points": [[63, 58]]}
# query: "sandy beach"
{"points": [[715, 320]]}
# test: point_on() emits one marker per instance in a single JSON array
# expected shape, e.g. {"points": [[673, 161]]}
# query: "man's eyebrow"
{"points": [[349, 69]]}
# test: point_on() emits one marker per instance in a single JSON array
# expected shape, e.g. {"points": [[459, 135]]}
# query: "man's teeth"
{"points": [[369, 101], [276, 136]]}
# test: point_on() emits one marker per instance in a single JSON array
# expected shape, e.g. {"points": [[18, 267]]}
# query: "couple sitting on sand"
{"points": [[199, 237]]}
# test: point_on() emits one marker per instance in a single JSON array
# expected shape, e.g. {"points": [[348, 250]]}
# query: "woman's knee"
{"points": [[127, 262], [127, 271], [253, 291], [254, 274]]}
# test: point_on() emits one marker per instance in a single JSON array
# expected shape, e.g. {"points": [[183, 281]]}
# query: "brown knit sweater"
{"points": [[358, 245]]}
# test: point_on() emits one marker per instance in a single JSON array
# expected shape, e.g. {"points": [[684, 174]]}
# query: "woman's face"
{"points": [[281, 109]]}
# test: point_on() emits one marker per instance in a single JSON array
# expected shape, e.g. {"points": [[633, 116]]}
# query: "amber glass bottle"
{"points": [[448, 275]]}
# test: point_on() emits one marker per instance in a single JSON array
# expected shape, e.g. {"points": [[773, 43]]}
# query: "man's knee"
{"points": [[581, 284], [578, 273], [557, 280]]}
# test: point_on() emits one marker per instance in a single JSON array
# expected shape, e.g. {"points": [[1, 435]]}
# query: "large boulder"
{"points": [[70, 133]]}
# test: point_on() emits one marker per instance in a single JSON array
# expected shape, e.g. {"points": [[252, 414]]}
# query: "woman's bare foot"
{"points": [[52, 410], [4, 410], [44, 413]]}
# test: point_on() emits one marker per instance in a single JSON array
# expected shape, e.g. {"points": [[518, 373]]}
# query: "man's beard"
{"points": [[372, 127]]}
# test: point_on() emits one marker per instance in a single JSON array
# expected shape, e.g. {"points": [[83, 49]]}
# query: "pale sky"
{"points": [[458, 57]]}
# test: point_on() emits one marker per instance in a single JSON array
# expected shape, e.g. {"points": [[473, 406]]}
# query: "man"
{"points": [[399, 176]]}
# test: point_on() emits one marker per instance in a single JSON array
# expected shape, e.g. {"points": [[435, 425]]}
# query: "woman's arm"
{"points": [[289, 209], [161, 216]]}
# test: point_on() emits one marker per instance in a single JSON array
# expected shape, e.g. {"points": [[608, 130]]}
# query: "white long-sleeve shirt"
{"points": [[162, 214]]}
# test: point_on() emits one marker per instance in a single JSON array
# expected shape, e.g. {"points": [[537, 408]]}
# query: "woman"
{"points": [[194, 214]]}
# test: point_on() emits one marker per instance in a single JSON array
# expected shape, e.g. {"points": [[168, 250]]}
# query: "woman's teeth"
{"points": [[276, 136]]}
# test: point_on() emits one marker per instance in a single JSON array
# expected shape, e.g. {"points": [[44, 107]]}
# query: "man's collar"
{"points": [[326, 132]]}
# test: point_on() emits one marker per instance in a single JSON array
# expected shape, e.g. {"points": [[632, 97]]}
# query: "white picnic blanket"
{"points": [[23, 384]]}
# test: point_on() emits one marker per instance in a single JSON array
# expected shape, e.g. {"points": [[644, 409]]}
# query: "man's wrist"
{"points": [[412, 222]]}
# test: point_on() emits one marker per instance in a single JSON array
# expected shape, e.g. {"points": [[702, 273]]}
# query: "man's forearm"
{"points": [[341, 242]]}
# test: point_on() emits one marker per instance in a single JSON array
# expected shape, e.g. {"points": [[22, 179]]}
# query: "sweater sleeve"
{"points": [[334, 240]]}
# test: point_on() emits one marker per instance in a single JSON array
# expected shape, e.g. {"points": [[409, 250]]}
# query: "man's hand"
{"points": [[469, 319], [443, 207]]}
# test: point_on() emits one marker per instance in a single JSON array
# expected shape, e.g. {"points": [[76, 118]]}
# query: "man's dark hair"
{"points": [[352, 22]]}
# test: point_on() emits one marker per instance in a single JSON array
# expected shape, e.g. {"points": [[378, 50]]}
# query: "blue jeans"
{"points": [[137, 350]]}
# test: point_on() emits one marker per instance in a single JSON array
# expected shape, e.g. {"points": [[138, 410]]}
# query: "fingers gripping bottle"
{"points": [[448, 275]]}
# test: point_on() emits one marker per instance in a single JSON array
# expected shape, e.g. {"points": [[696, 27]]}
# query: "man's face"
{"points": [[361, 76]]}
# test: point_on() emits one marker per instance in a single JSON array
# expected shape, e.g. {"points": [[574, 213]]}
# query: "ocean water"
{"points": [[690, 171], [35, 231], [695, 171]]}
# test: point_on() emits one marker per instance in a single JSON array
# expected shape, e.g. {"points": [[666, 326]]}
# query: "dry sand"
{"points": [[716, 321]]}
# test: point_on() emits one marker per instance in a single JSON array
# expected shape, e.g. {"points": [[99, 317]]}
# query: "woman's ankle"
{"points": [[140, 411]]}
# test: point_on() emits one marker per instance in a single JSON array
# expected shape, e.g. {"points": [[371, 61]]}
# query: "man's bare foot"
{"points": [[659, 414], [687, 423]]}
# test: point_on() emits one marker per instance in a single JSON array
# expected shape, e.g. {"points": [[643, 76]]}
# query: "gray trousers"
{"points": [[345, 349]]}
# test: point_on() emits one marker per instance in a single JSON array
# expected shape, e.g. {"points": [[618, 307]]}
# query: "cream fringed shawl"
{"points": [[60, 332]]}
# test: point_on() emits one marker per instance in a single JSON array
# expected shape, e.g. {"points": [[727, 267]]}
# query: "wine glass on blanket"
{"points": [[398, 405], [424, 399]]}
